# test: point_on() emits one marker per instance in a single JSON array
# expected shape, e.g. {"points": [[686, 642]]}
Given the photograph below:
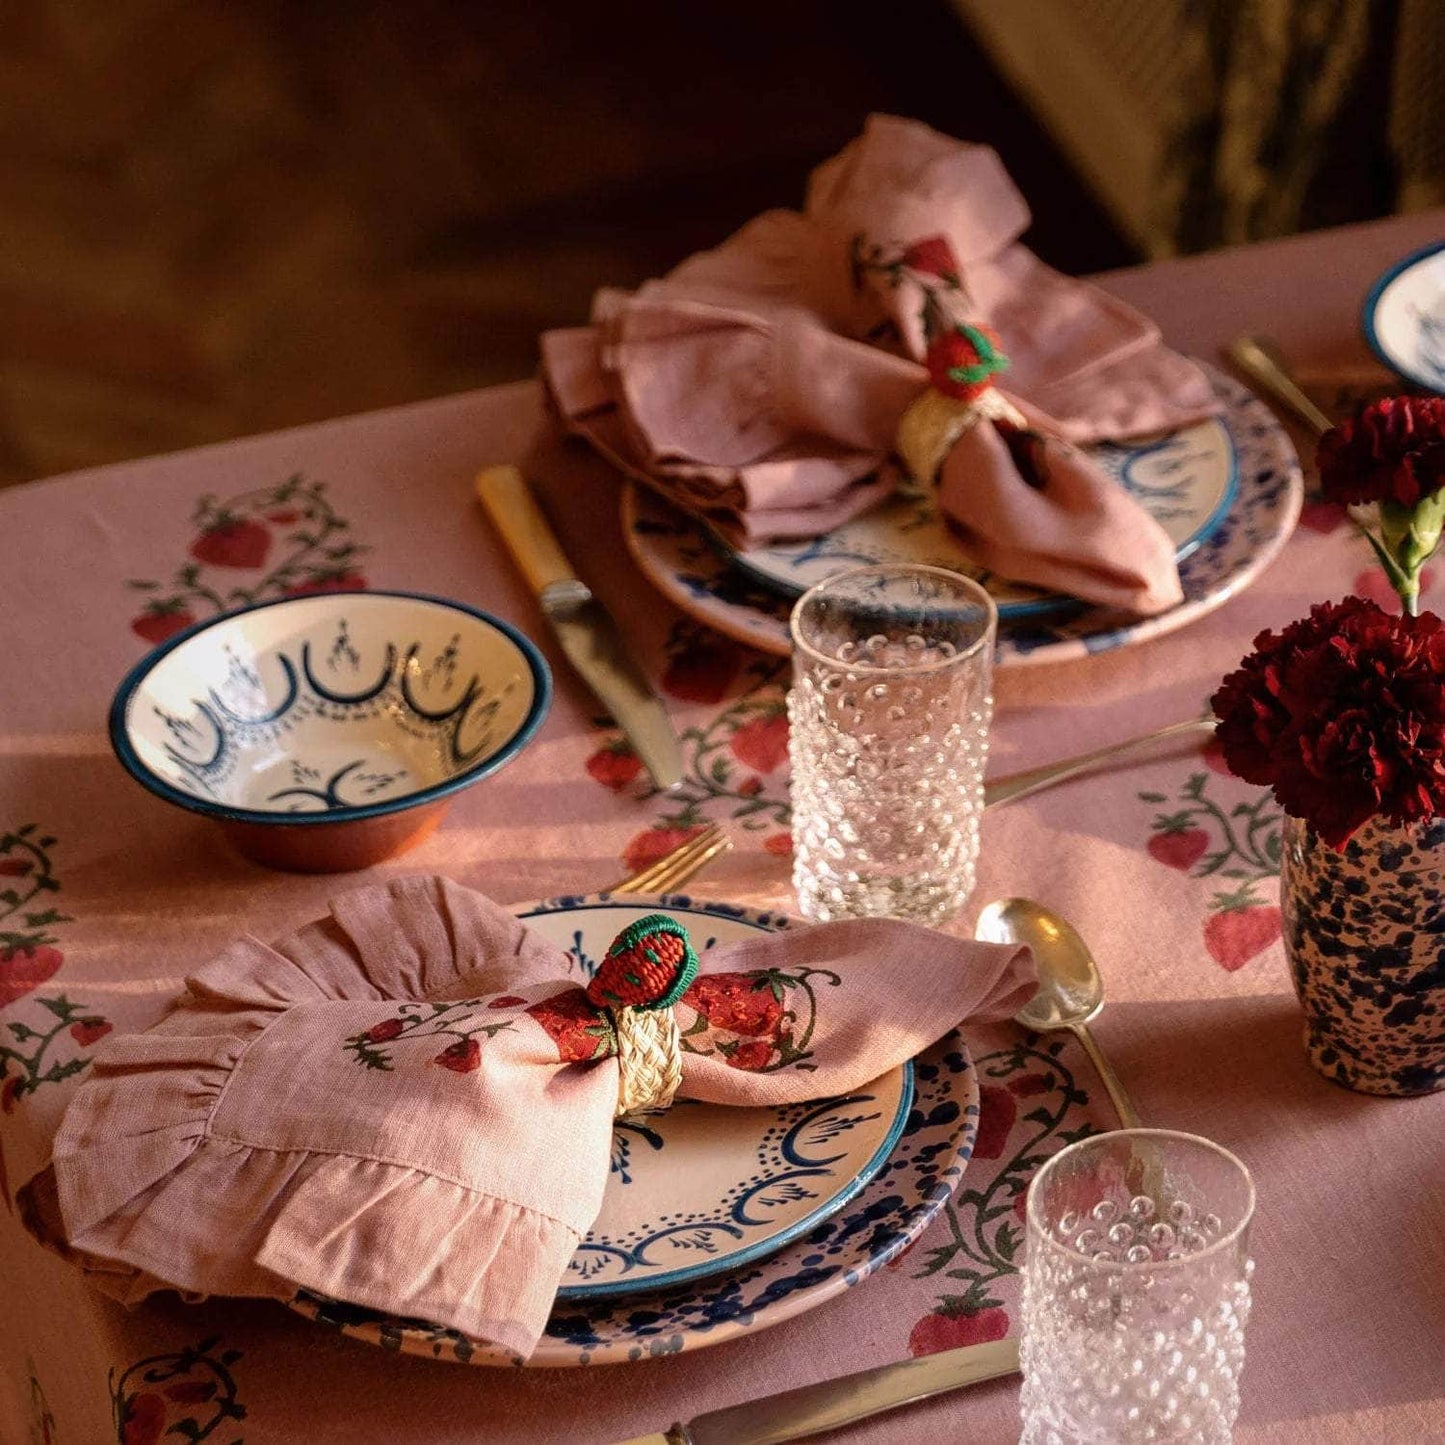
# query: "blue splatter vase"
{"points": [[1364, 931]]}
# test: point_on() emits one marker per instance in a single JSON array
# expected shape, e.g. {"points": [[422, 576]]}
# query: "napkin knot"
{"points": [[646, 970]]}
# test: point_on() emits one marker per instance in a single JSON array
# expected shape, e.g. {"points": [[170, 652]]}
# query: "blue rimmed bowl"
{"points": [[327, 733], [1404, 317]]}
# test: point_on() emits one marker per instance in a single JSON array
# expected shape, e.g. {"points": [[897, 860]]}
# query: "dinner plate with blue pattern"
{"points": [[719, 1274], [680, 558], [1404, 317]]}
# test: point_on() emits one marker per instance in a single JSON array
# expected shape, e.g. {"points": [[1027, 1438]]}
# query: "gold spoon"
{"points": [[1071, 992]]}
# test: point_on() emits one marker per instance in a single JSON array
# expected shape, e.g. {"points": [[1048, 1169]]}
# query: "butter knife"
{"points": [[813, 1409], [582, 626]]}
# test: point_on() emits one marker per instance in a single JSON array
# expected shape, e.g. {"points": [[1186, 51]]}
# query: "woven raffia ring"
{"points": [[649, 1060]]}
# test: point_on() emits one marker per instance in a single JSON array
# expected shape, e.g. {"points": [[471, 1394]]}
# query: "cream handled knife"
{"points": [[587, 634], [830, 1404]]}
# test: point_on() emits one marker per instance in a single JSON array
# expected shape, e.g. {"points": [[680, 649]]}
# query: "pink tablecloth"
{"points": [[1167, 868]]}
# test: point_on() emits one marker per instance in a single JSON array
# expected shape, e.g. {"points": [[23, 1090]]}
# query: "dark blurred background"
{"points": [[224, 216]]}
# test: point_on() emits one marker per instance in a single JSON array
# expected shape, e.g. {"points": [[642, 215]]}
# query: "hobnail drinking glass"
{"points": [[889, 713], [1136, 1291]]}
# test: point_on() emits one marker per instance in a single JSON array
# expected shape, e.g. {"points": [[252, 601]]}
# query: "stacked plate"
{"points": [[1228, 491], [720, 1221]]}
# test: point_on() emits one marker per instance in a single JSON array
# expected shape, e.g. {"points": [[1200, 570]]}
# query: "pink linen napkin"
{"points": [[408, 1106], [761, 385]]}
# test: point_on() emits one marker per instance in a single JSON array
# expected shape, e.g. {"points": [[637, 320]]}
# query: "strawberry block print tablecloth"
{"points": [[108, 897]]}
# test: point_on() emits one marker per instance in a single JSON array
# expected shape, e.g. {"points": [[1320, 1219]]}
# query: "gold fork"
{"points": [[679, 865]]}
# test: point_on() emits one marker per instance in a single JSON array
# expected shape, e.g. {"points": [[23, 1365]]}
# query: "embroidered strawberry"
{"points": [[1179, 848], [780, 845], [952, 1325], [761, 743], [23, 969], [649, 965], [742, 1003], [996, 1114], [578, 1030], [284, 517], [1321, 516], [15, 867], [329, 582], [703, 672], [233, 542], [461, 1057], [87, 1031], [1027, 1085], [159, 623], [9, 1094], [386, 1029], [143, 1419], [933, 256], [1242, 930], [750, 787], [191, 1392], [654, 843], [506, 1000], [753, 1056], [614, 766]]}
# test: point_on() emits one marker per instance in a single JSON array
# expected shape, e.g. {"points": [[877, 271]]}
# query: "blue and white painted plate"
{"points": [[678, 557], [874, 1224], [1404, 317], [1185, 481]]}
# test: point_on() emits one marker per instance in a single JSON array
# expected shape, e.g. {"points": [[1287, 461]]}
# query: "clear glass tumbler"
{"points": [[889, 713], [1136, 1291]]}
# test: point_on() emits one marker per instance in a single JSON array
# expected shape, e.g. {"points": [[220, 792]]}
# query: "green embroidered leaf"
{"points": [[60, 1006]]}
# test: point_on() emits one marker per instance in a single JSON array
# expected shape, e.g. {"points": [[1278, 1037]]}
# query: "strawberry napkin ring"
{"points": [[646, 970], [962, 362]]}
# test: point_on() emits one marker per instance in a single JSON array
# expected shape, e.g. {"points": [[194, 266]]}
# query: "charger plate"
{"points": [[820, 1257], [677, 556]]}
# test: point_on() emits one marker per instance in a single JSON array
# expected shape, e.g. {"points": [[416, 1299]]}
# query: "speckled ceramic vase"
{"points": [[1364, 929]]}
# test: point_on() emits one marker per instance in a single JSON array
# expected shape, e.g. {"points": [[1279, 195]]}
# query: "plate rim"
{"points": [[1371, 304]]}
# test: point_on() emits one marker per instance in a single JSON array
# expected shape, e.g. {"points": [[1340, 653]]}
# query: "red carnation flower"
{"points": [[1342, 715], [962, 361], [1391, 451]]}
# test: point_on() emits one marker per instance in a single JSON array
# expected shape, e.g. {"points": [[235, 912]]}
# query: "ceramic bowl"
{"points": [[327, 733], [1404, 318]]}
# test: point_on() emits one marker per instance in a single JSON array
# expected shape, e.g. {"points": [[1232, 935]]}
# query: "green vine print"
{"points": [[195, 1384], [431, 1021], [240, 534], [1238, 845], [760, 1021], [42, 1420], [28, 959]]}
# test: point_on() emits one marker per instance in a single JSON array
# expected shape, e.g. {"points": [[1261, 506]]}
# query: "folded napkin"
{"points": [[762, 385], [408, 1106]]}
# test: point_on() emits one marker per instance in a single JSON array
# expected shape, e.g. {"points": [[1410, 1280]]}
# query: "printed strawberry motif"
{"points": [[1240, 932], [506, 1000], [654, 843], [753, 1056], [143, 1420], [9, 1093], [158, 624], [87, 1031], [780, 845], [284, 517], [649, 965], [578, 1030], [953, 1325], [191, 1392], [933, 256], [1179, 848], [1027, 1085], [703, 672], [461, 1057], [761, 743], [233, 542], [614, 766], [15, 867], [329, 582], [750, 787], [996, 1114], [750, 1004], [23, 969], [385, 1030]]}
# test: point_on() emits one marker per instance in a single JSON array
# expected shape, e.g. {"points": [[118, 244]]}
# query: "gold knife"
{"points": [[587, 633], [813, 1409]]}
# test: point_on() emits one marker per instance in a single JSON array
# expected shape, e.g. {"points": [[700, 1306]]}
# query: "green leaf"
{"points": [[1151, 797], [61, 1007], [23, 1032]]}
